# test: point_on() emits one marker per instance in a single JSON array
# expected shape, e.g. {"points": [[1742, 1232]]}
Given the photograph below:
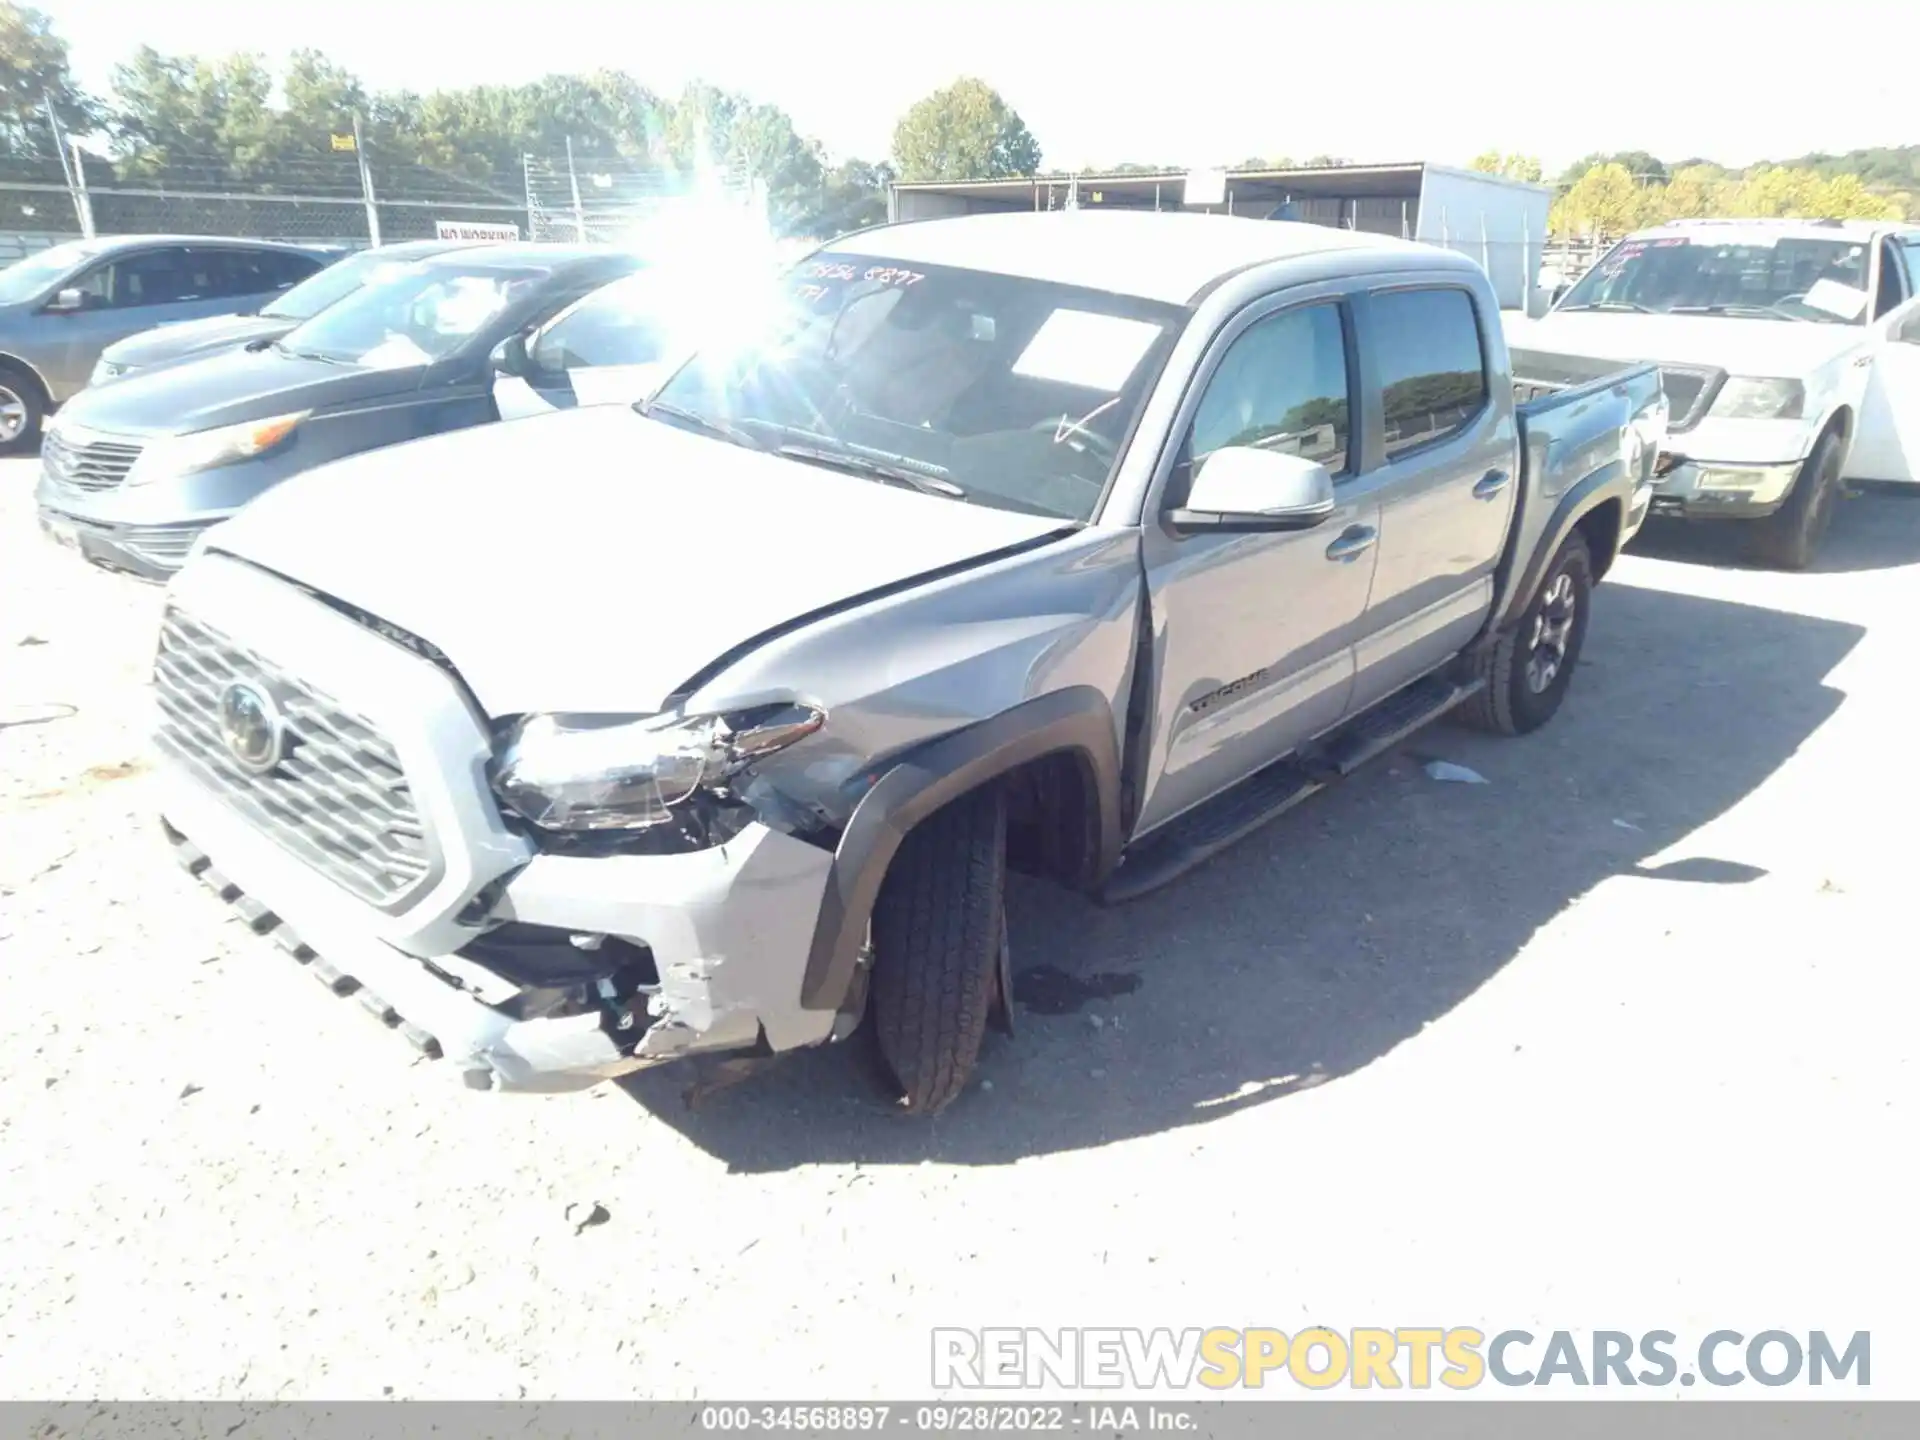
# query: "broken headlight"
{"points": [[627, 772]]}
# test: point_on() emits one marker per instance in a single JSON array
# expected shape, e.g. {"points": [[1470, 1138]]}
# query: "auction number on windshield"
{"points": [[877, 274]]}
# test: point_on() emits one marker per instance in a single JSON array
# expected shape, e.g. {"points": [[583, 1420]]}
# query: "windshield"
{"points": [[24, 279], [329, 286], [994, 389], [1748, 273], [413, 316]]}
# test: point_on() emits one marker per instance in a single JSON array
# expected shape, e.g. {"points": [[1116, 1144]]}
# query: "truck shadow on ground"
{"points": [[1322, 942], [1874, 528]]}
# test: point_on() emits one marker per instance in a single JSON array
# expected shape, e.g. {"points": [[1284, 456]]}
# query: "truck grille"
{"points": [[88, 464], [335, 794], [1689, 393]]}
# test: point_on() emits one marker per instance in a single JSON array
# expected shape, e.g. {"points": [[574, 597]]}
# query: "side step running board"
{"points": [[1232, 815]]}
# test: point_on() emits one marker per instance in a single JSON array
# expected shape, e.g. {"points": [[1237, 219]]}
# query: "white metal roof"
{"points": [[1167, 256]]}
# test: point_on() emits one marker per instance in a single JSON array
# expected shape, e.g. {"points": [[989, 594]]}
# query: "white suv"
{"points": [[1790, 353]]}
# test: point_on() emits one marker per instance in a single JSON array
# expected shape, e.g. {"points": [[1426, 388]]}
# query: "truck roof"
{"points": [[1167, 255]]}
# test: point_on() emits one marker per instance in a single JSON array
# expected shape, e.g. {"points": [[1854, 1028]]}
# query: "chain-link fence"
{"points": [[618, 200], [333, 196]]}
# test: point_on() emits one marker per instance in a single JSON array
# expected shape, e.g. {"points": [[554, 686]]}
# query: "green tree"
{"points": [[33, 70], [1639, 165], [1604, 201], [964, 132], [1514, 166], [213, 117]]}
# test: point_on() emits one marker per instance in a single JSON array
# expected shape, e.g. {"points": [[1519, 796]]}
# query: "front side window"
{"points": [[155, 277], [1282, 385], [625, 323], [1433, 373], [1740, 272], [1893, 280], [994, 389], [413, 316]]}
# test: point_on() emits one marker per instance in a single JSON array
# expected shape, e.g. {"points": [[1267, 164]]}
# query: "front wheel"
{"points": [[21, 412], [1788, 538], [938, 936], [1528, 669]]}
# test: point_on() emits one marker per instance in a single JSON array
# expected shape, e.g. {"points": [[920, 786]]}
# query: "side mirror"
{"points": [[510, 356], [66, 301], [1241, 490]]}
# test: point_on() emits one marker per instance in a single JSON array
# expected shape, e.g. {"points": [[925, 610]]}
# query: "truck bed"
{"points": [[1580, 438]]}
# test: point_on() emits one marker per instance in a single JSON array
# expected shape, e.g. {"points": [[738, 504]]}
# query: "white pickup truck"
{"points": [[1790, 355]]}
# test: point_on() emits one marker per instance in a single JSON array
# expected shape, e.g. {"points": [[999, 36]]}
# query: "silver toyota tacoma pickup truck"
{"points": [[1076, 544]]}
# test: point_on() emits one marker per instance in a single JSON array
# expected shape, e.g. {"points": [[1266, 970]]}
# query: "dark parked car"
{"points": [[171, 344], [60, 308], [132, 472]]}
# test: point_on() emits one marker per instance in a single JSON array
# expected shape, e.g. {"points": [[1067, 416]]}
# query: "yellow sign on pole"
{"points": [[343, 142]]}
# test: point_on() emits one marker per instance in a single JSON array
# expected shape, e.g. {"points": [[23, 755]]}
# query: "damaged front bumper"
{"points": [[526, 970], [671, 955]]}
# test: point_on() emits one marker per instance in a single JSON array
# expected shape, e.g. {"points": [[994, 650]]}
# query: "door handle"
{"points": [[1354, 541], [1491, 484]]}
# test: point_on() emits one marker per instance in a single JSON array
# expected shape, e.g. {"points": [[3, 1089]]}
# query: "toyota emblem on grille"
{"points": [[251, 726]]}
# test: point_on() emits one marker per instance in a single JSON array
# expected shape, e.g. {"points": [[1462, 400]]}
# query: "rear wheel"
{"points": [[1788, 538], [938, 932], [1529, 669], [21, 411]]}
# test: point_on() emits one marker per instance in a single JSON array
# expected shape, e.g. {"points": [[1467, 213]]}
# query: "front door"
{"points": [[1887, 444], [120, 297], [1254, 634], [1445, 486]]}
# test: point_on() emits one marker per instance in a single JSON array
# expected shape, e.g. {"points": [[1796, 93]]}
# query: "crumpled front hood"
{"points": [[168, 343], [1788, 349], [595, 560]]}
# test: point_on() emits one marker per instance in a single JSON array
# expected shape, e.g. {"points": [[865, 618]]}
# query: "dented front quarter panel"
{"points": [[900, 671]]}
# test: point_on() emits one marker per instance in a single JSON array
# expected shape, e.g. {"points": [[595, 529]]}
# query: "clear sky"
{"points": [[1192, 82]]}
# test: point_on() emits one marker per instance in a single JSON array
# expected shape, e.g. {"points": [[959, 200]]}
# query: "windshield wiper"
{"points": [[1634, 305], [704, 424], [857, 464], [314, 355]]}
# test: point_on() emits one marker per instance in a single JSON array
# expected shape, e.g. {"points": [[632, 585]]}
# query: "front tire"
{"points": [[937, 935], [1529, 669], [1788, 538], [21, 411]]}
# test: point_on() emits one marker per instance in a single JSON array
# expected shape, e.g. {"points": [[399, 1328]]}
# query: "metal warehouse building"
{"points": [[1500, 222]]}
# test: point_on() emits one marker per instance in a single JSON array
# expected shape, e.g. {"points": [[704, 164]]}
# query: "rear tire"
{"points": [[1530, 668], [937, 933], [1788, 538], [22, 408]]}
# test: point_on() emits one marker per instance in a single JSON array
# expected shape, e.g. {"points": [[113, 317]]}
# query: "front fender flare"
{"points": [[1078, 721]]}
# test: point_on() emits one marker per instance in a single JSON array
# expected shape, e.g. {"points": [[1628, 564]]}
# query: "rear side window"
{"points": [[1427, 349]]}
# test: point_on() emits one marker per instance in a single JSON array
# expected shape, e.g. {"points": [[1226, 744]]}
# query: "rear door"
{"points": [[1256, 632], [1445, 484]]}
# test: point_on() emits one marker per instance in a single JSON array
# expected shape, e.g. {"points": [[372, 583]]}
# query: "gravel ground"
{"points": [[1621, 1038]]}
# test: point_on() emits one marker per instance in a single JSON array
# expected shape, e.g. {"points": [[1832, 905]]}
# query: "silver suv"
{"points": [[1075, 543], [61, 307]]}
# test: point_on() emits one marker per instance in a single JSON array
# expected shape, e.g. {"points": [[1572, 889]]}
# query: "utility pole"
{"points": [[366, 185], [70, 167], [579, 210]]}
